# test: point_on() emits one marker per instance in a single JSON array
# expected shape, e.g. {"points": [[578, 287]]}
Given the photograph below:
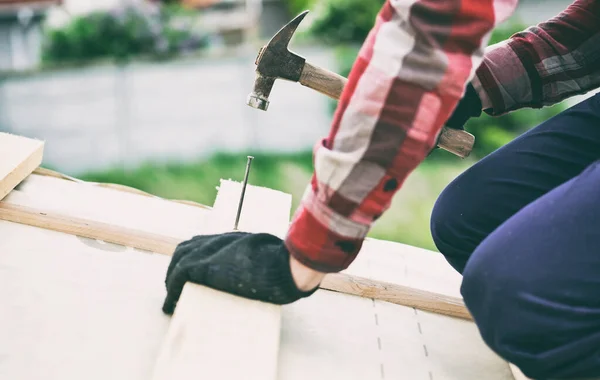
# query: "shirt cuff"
{"points": [[314, 244], [483, 96]]}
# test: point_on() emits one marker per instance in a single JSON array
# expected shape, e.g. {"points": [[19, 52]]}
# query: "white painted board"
{"points": [[334, 336], [77, 308]]}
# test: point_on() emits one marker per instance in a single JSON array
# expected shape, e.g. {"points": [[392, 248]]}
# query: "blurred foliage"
{"points": [[348, 22], [124, 32], [296, 6], [344, 21], [407, 221], [197, 181]]}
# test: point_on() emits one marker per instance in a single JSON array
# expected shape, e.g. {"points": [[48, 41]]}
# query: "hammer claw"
{"points": [[282, 38]]}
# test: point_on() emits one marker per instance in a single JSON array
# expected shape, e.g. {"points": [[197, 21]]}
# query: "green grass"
{"points": [[406, 221]]}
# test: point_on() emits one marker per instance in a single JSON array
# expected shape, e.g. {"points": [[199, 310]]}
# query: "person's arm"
{"points": [[409, 76], [543, 64]]}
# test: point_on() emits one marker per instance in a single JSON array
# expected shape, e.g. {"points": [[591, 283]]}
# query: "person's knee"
{"points": [[449, 225], [442, 228], [516, 320]]}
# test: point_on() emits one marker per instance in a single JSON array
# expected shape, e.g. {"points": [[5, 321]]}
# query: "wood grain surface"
{"points": [[19, 156]]}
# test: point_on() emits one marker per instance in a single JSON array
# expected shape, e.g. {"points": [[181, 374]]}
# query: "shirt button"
{"points": [[390, 185]]}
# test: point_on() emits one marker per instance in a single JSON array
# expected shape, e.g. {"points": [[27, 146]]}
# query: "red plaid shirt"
{"points": [[408, 77]]}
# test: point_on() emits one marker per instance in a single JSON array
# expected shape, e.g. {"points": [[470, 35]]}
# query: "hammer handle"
{"points": [[322, 80], [455, 141]]}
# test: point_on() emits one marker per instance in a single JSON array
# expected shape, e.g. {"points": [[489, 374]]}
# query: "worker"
{"points": [[522, 225]]}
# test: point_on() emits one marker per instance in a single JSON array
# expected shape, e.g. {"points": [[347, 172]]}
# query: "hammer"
{"points": [[275, 61]]}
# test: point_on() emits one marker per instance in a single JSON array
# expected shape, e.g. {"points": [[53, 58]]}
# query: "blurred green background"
{"points": [[170, 31]]}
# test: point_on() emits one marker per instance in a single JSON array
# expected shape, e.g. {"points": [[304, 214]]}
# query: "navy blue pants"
{"points": [[523, 228]]}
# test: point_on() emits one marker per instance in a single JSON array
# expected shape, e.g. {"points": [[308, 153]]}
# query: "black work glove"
{"points": [[250, 265], [469, 106]]}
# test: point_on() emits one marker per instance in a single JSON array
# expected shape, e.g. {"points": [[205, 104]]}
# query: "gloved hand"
{"points": [[469, 106], [255, 266]]}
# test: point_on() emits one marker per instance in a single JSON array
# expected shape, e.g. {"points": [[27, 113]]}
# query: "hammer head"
{"points": [[276, 61]]}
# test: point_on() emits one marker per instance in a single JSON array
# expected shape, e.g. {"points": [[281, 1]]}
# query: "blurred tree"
{"points": [[123, 33], [344, 21], [296, 6]]}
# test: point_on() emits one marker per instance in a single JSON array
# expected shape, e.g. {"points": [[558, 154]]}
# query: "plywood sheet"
{"points": [[341, 337], [19, 156], [80, 308], [74, 308]]}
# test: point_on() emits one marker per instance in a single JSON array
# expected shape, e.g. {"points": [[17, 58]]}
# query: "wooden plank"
{"points": [[382, 262], [88, 229], [398, 263], [398, 294], [14, 209], [405, 275], [218, 335], [75, 308], [338, 282], [336, 336], [109, 293], [19, 156], [88, 201]]}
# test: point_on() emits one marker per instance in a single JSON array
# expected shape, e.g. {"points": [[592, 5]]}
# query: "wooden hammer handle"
{"points": [[455, 141], [322, 80]]}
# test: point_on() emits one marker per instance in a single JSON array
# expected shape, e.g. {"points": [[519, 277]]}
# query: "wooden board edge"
{"points": [[218, 335], [397, 294], [23, 170], [87, 228]]}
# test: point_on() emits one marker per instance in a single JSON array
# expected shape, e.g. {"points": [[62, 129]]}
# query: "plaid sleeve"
{"points": [[408, 77], [543, 64]]}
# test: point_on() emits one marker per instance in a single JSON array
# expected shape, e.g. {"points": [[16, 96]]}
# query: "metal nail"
{"points": [[239, 210]]}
